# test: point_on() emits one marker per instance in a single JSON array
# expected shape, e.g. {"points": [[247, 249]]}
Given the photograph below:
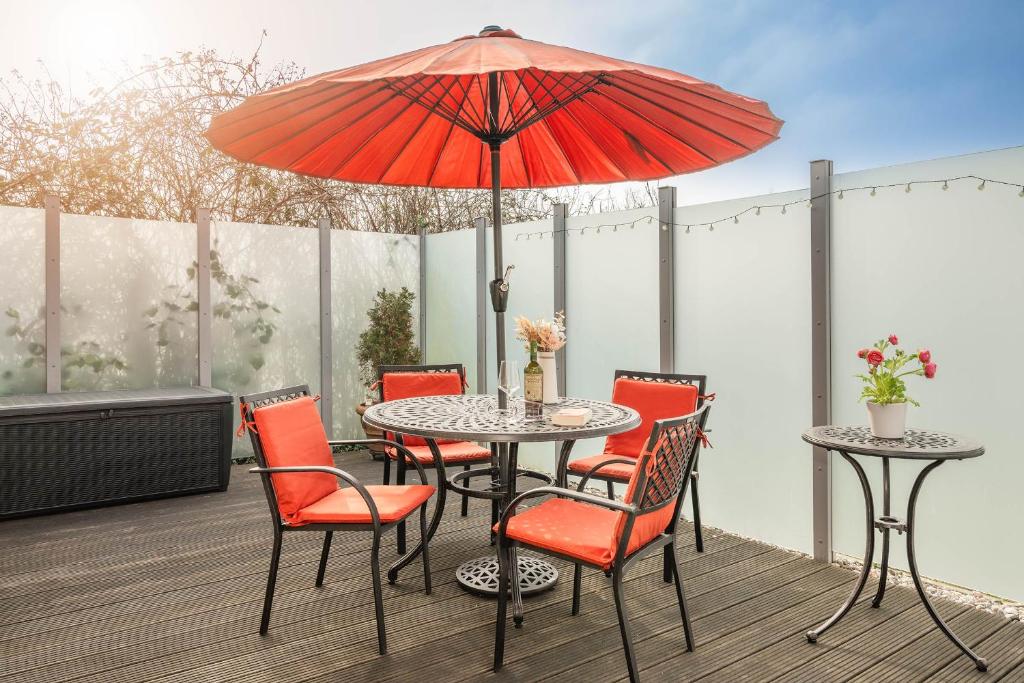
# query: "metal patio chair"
{"points": [[408, 381], [302, 487], [655, 395], [607, 534]]}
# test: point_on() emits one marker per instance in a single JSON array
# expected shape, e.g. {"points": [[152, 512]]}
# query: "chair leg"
{"points": [[666, 567], [494, 520], [323, 558], [499, 628], [624, 628], [611, 490], [268, 598], [465, 498], [378, 597], [387, 469], [696, 513], [400, 476], [687, 629], [426, 554], [577, 585]]}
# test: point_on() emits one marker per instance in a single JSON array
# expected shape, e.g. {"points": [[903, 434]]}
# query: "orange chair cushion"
{"points": [[647, 526], [346, 506], [582, 531], [451, 451], [291, 434], [654, 401], [396, 385], [617, 471]]}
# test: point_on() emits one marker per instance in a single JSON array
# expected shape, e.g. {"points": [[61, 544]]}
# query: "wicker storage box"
{"points": [[73, 450]]}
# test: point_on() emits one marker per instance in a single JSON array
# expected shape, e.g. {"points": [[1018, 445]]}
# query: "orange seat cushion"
{"points": [[397, 385], [346, 506], [654, 401], [451, 451], [291, 434], [618, 471], [582, 531]]}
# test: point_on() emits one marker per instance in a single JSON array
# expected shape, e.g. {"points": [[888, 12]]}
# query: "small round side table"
{"points": [[932, 447]]}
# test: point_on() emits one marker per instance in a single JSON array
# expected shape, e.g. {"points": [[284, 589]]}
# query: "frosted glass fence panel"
{"points": [[128, 303], [531, 294], [266, 309], [363, 263], [742, 305], [941, 268], [22, 299], [612, 304], [451, 300]]}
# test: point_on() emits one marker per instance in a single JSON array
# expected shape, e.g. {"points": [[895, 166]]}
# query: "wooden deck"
{"points": [[171, 590]]}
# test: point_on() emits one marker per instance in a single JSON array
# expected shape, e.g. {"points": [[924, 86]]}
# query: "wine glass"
{"points": [[509, 384]]}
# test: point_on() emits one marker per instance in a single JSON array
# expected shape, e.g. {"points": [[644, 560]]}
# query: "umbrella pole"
{"points": [[499, 286]]}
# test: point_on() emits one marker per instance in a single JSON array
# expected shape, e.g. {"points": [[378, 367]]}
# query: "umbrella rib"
{"points": [[681, 116], [589, 134], [264, 127], [543, 113], [447, 137], [687, 118], [511, 115], [697, 93], [635, 139], [419, 127], [553, 137]]}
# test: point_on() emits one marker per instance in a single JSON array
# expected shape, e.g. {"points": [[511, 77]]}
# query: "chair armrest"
{"points": [[387, 442], [595, 468], [340, 474], [564, 493]]}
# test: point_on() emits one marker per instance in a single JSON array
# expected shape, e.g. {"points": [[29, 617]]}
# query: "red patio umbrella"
{"points": [[495, 110]]}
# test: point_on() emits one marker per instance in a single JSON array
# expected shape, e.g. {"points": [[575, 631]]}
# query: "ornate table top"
{"points": [[917, 444], [471, 417]]}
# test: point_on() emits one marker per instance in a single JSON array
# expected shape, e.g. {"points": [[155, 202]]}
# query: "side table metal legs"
{"points": [[885, 524], [869, 552], [912, 560]]}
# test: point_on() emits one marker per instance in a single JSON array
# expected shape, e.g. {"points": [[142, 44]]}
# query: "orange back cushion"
{"points": [[654, 401], [396, 385], [291, 434], [647, 526]]}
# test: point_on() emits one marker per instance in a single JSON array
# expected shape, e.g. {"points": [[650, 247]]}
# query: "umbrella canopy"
{"points": [[429, 117], [443, 116]]}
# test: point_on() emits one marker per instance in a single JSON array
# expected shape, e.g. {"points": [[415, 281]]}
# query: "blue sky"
{"points": [[863, 83]]}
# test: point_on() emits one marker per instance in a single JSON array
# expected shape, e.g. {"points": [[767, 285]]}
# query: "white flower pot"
{"points": [[547, 364], [887, 421]]}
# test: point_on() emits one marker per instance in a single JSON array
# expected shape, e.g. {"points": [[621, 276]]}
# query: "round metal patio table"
{"points": [[472, 417], [936, 447]]}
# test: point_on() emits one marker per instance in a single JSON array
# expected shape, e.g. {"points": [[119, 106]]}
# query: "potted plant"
{"points": [[388, 340], [884, 385]]}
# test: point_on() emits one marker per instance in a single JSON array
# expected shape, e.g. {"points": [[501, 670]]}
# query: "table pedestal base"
{"points": [[480, 576]]}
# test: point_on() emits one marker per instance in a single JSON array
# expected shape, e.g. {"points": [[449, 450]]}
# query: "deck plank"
{"points": [[171, 590]]}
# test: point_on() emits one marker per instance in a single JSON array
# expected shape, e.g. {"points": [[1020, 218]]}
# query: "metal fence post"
{"points": [[326, 329], [51, 204], [205, 331], [666, 278], [422, 234], [559, 213], [821, 361], [480, 224]]}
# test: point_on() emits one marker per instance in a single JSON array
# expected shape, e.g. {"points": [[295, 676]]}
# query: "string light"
{"points": [[907, 186]]}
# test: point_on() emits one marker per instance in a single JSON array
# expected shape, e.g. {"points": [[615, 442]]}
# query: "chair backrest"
{"points": [[408, 381], [286, 431], [656, 396], [659, 481]]}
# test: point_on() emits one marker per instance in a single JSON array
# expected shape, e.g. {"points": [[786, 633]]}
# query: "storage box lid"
{"points": [[78, 401]]}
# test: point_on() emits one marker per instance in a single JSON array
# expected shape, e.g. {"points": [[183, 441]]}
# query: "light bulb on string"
{"points": [[840, 194], [688, 227], [758, 211], [908, 188], [1021, 193], [711, 227], [945, 184], [735, 219], [783, 208], [982, 185], [873, 192]]}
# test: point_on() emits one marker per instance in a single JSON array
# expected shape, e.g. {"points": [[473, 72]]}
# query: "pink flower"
{"points": [[924, 355], [875, 357], [893, 339], [863, 353], [929, 370]]}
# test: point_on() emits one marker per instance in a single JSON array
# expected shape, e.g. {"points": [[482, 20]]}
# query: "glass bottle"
{"points": [[533, 385]]}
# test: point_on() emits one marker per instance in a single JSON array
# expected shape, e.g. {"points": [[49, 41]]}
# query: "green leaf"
{"points": [[12, 313]]}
